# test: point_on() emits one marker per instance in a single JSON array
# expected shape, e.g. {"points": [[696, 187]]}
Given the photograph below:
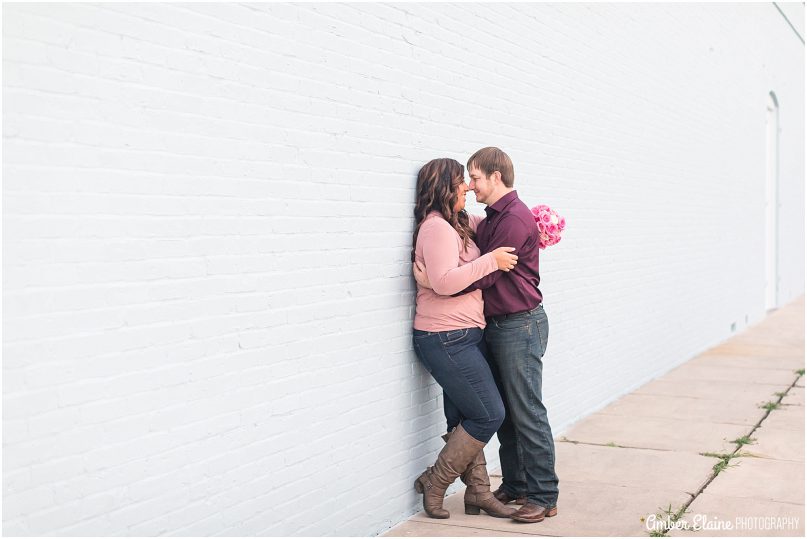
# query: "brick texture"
{"points": [[207, 218]]}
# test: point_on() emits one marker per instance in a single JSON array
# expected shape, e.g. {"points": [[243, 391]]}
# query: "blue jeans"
{"points": [[517, 343], [457, 360]]}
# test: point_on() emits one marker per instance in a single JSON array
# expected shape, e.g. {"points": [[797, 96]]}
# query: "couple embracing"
{"points": [[481, 331]]}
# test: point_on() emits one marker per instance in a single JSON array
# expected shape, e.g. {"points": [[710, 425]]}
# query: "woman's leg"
{"points": [[453, 414], [456, 361]]}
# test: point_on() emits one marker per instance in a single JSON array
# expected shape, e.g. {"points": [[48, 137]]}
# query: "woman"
{"points": [[448, 337]]}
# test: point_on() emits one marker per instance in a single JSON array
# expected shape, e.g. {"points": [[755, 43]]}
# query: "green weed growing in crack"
{"points": [[668, 517], [743, 440], [780, 393], [723, 463], [669, 513], [770, 405], [665, 516], [611, 444], [800, 372]]}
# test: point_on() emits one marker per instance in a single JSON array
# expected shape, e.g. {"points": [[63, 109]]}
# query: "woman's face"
{"points": [[461, 188]]}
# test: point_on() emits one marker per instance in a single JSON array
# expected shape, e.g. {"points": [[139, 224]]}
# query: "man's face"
{"points": [[481, 184]]}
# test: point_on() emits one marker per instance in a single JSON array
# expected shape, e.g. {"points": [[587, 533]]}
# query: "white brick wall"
{"points": [[207, 223]]}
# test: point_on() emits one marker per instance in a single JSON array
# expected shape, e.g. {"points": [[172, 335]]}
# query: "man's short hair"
{"points": [[491, 159]]}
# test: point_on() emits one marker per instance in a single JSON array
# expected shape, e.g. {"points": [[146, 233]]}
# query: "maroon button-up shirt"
{"points": [[510, 223]]}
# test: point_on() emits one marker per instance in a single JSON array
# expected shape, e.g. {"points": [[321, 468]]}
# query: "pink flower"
{"points": [[550, 225]]}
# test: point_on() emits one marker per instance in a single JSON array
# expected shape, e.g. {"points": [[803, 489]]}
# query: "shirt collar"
{"points": [[502, 203]]}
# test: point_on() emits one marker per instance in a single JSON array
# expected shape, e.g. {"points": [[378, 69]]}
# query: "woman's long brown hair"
{"points": [[435, 191]]}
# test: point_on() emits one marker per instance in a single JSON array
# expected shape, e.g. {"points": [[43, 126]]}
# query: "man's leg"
{"points": [[518, 344], [514, 482]]}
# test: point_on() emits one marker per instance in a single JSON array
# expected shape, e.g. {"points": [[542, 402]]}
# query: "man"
{"points": [[516, 336]]}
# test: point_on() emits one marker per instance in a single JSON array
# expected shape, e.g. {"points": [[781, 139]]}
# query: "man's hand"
{"points": [[420, 275]]}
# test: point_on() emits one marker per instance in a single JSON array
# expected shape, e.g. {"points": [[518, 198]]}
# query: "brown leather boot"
{"points": [[477, 494], [460, 449], [534, 513], [505, 498]]}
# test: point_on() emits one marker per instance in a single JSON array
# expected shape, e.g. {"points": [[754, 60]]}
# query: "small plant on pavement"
{"points": [[668, 517], [723, 463], [743, 440]]}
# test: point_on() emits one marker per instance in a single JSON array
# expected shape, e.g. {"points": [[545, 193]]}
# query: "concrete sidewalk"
{"points": [[718, 438]]}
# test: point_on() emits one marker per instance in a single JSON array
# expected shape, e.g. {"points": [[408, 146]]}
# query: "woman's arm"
{"points": [[506, 233], [441, 256]]}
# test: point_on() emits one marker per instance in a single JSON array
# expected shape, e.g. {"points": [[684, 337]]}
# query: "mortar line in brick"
{"points": [[515, 118]]}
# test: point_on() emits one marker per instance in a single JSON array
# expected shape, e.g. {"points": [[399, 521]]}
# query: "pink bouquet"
{"points": [[550, 225]]}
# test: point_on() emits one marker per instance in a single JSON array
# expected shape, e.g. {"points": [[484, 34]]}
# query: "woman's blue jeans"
{"points": [[457, 360]]}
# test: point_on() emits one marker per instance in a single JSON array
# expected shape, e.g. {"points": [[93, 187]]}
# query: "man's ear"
{"points": [[496, 177]]}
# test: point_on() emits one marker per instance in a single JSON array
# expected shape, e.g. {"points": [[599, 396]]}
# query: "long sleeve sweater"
{"points": [[450, 268]]}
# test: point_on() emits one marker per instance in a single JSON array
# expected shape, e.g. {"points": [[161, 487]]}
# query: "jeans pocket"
{"points": [[514, 323], [543, 334], [454, 336]]}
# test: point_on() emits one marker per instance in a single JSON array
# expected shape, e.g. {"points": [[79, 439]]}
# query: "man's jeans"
{"points": [[457, 360], [516, 344]]}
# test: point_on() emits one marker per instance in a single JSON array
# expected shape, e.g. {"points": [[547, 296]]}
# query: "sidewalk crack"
{"points": [[725, 459]]}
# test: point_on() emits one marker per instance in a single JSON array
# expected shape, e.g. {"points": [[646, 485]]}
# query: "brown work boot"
{"points": [[457, 454], [505, 498], [477, 493], [533, 513]]}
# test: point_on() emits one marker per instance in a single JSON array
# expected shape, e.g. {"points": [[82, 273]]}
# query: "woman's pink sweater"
{"points": [[450, 268]]}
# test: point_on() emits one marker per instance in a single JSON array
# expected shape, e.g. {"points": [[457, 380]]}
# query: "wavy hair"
{"points": [[435, 191]]}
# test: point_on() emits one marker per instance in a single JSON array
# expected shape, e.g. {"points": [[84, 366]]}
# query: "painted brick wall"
{"points": [[207, 222]]}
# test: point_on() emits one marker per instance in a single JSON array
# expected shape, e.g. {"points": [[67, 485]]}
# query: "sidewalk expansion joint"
{"points": [[725, 458], [437, 522], [564, 439]]}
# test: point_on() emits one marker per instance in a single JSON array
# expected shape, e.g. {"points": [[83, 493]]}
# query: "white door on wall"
{"points": [[771, 203]]}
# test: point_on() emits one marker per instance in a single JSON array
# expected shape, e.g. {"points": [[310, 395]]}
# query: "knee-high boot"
{"points": [[477, 494], [460, 450]]}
